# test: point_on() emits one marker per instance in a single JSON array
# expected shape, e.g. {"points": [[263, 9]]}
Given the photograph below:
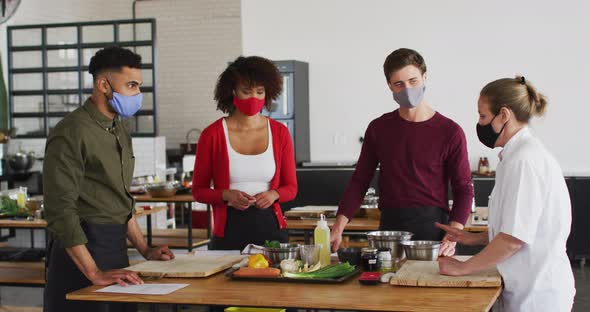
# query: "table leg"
{"points": [[208, 221], [190, 228], [182, 213], [149, 229], [32, 238]]}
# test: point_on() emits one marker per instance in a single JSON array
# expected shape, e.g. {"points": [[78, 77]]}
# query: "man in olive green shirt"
{"points": [[87, 173]]}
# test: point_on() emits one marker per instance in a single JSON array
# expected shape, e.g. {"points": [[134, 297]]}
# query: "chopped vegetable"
{"points": [[314, 267], [272, 244], [330, 271], [291, 265], [251, 272], [257, 261]]}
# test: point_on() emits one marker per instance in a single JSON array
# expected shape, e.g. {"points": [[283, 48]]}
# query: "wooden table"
{"points": [[350, 295], [24, 274], [356, 225], [42, 224], [184, 198], [11, 225]]}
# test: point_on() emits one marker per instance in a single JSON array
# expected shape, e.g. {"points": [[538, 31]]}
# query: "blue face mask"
{"points": [[125, 105]]}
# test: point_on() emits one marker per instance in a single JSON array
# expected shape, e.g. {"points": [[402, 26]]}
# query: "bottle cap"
{"points": [[322, 222]]}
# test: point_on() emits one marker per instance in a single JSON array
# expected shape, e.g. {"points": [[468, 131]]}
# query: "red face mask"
{"points": [[250, 106]]}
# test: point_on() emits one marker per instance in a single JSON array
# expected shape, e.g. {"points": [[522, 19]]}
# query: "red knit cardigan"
{"points": [[212, 163]]}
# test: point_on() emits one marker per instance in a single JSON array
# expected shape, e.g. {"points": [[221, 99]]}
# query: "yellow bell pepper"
{"points": [[257, 261]]}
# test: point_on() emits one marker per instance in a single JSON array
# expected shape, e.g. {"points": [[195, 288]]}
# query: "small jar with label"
{"points": [[369, 259], [384, 260]]}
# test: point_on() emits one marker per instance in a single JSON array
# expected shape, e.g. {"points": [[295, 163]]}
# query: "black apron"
{"points": [[250, 226], [107, 243], [419, 220]]}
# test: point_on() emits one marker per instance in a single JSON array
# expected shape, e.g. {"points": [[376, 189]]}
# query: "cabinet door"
{"points": [[283, 106], [581, 217]]}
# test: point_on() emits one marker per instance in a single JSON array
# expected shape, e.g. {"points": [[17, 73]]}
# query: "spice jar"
{"points": [[369, 258], [384, 260]]}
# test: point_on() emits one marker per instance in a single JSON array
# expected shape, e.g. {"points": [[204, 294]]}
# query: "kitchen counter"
{"points": [[363, 224], [350, 295]]}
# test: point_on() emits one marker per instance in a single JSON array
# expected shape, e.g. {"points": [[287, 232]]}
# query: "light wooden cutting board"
{"points": [[425, 274], [311, 211], [186, 266]]}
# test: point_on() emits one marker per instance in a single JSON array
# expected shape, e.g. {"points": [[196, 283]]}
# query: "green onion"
{"points": [[330, 271]]}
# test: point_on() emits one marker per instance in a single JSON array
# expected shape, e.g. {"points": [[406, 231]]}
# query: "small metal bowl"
{"points": [[286, 251], [162, 189], [421, 250], [21, 162]]}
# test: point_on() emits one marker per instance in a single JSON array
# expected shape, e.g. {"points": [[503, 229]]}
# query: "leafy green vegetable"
{"points": [[330, 271], [9, 207], [272, 244]]}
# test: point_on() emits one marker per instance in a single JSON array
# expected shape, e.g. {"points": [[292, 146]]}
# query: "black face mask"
{"points": [[487, 135]]}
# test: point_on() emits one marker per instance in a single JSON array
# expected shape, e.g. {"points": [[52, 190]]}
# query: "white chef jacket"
{"points": [[530, 201]]}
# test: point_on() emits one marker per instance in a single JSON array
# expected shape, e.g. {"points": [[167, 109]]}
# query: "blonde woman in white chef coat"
{"points": [[529, 210]]}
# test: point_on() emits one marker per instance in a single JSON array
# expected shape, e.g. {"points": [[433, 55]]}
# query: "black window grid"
{"points": [[79, 46]]}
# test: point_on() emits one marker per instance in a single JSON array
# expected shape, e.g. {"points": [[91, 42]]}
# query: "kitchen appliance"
{"points": [[392, 240], [291, 108], [421, 250]]}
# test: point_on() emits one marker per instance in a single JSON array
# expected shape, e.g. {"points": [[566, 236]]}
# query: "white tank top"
{"points": [[250, 174]]}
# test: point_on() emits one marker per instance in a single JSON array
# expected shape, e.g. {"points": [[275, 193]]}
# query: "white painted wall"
{"points": [[465, 43]]}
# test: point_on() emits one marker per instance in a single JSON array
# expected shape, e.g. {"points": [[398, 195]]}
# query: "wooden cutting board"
{"points": [[425, 274], [311, 212], [186, 266]]}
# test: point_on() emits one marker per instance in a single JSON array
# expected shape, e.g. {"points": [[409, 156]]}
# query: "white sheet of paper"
{"points": [[145, 289]]}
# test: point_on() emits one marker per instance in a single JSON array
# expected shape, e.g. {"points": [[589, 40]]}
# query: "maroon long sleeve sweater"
{"points": [[417, 161]]}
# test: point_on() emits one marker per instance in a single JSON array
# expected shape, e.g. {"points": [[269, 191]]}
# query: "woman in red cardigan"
{"points": [[245, 165]]}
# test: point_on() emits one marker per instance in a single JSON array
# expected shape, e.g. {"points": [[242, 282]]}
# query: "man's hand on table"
{"points": [[449, 241], [119, 276], [159, 253]]}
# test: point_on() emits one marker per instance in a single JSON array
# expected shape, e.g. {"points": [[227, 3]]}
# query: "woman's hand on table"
{"points": [[451, 266], [238, 199], [160, 253], [120, 276], [266, 199]]}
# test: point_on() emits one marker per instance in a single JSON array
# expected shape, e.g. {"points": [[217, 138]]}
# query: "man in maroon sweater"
{"points": [[418, 151]]}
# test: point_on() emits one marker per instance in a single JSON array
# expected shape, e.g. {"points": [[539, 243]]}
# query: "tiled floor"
{"points": [[22, 296]]}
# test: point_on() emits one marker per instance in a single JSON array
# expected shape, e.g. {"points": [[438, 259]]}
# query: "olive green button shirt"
{"points": [[87, 173]]}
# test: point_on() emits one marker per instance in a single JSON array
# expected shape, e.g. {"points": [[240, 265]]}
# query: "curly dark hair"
{"points": [[250, 71], [401, 58], [113, 58]]}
